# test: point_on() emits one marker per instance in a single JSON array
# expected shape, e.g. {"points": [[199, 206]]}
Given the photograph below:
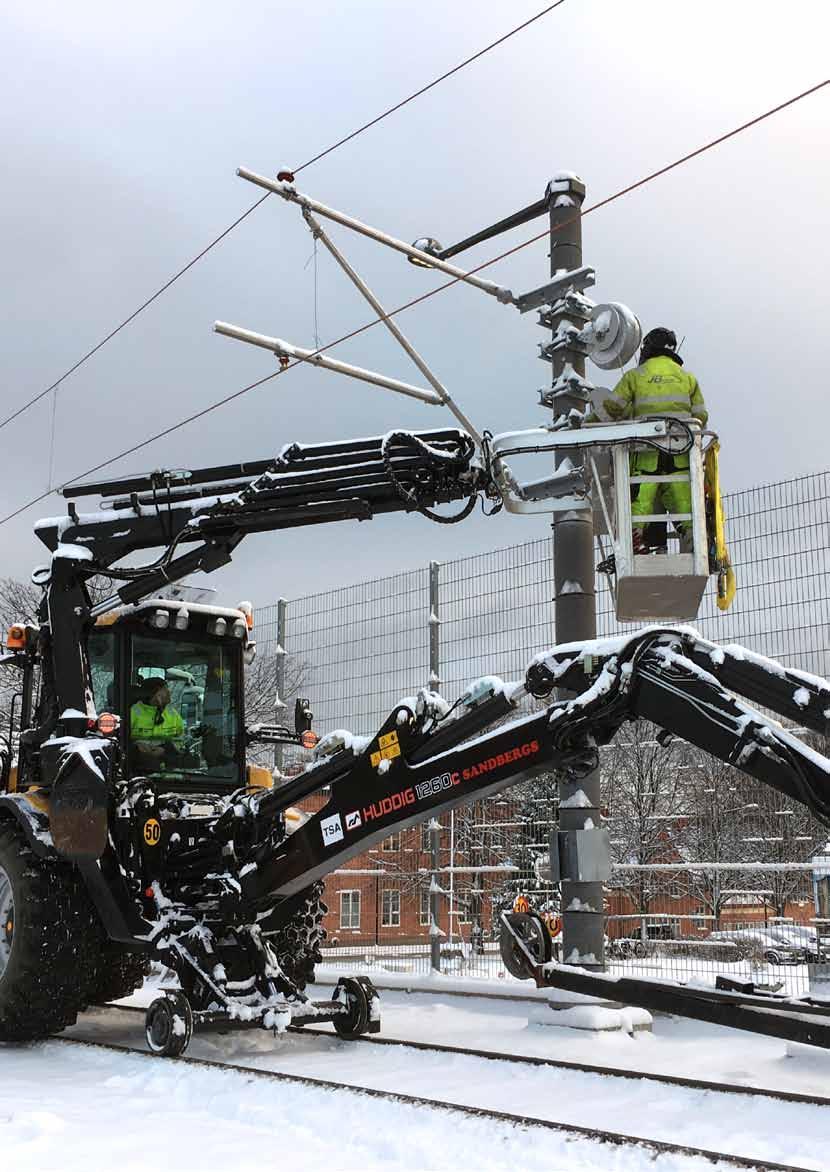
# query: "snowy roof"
{"points": [[175, 605]]}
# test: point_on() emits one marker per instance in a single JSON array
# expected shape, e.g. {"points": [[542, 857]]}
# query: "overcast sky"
{"points": [[122, 127]]}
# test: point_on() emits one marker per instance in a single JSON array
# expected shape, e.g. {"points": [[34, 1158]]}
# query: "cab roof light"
{"points": [[160, 619], [248, 611]]}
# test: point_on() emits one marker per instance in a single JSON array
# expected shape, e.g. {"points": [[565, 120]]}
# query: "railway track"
{"points": [[617, 1139], [695, 1084]]}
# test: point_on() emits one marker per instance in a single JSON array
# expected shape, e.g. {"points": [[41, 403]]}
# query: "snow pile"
{"points": [[629, 1019]]}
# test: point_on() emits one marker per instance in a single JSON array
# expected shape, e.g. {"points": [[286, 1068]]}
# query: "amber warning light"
{"points": [[309, 739], [16, 638], [107, 723]]}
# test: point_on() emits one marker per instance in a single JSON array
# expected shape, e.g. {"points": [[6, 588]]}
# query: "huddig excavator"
{"points": [[112, 856]]}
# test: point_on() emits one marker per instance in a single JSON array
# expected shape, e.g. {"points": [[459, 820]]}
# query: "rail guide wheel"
{"points": [[523, 933], [168, 1025], [360, 1015]]}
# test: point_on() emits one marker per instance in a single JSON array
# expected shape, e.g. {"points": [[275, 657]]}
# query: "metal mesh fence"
{"points": [[358, 649]]}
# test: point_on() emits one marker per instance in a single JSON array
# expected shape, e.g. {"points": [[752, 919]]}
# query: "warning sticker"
{"points": [[388, 749]]}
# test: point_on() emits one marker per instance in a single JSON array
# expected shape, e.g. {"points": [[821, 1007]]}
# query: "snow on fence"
{"points": [[678, 823]]}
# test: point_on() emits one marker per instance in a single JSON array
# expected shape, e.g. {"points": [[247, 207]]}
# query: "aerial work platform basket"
{"points": [[665, 576], [660, 561]]}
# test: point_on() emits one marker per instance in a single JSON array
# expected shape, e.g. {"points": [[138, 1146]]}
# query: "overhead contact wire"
{"points": [[227, 231], [423, 296]]}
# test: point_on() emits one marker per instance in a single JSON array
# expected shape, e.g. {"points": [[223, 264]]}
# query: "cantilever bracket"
{"points": [[284, 349], [425, 258]]}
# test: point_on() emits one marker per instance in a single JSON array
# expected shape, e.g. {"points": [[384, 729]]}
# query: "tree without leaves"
{"points": [[714, 797], [644, 807]]}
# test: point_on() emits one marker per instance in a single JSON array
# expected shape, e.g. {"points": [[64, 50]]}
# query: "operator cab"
{"points": [[173, 674]]}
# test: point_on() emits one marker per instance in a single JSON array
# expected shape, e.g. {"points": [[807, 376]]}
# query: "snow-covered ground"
{"points": [[69, 1109], [76, 1109]]}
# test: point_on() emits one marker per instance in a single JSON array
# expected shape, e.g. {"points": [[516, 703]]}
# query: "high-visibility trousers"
{"points": [[674, 496]]}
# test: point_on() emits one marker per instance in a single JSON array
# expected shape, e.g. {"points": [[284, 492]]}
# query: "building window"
{"points": [[349, 909], [391, 914], [392, 843], [425, 916]]}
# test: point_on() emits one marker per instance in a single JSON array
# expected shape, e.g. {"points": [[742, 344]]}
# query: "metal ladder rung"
{"points": [[667, 479], [647, 518]]}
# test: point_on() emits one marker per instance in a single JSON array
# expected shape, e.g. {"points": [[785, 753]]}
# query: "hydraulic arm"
{"points": [[206, 513], [419, 765], [220, 895]]}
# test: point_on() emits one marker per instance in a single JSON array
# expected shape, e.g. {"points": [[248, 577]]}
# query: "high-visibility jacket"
{"points": [[660, 386], [145, 726]]}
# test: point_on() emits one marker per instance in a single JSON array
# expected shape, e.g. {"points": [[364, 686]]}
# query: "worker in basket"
{"points": [[658, 386], [156, 729]]}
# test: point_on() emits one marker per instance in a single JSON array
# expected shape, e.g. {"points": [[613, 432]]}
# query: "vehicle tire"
{"points": [[118, 974], [297, 943], [49, 941], [772, 957]]}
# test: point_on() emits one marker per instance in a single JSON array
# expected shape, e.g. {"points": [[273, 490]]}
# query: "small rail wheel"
{"points": [[354, 1021], [529, 930], [168, 1025]]}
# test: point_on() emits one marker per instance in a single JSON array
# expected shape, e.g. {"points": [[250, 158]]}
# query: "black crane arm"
{"points": [[419, 765], [197, 517]]}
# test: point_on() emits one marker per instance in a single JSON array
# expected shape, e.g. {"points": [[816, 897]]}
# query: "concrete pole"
{"points": [[574, 595]]}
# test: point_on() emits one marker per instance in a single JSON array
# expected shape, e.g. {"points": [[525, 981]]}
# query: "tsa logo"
{"points": [[331, 829], [353, 820]]}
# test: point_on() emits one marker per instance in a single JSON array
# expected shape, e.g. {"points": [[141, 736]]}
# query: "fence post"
{"points": [[279, 702], [434, 895], [434, 825], [434, 625]]}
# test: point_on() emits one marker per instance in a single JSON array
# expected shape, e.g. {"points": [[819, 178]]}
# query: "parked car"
{"points": [[759, 943], [625, 947], [800, 936]]}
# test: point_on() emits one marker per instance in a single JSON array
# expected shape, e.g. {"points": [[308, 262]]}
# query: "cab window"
{"points": [[101, 652], [184, 715]]}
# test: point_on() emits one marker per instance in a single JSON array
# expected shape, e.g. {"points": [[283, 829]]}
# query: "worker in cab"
{"points": [[156, 728], [658, 386]]}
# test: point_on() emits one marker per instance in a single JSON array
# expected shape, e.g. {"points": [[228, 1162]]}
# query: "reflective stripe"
{"points": [[658, 387]]}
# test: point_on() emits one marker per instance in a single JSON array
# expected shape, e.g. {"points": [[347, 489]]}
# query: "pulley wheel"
{"points": [[616, 335]]}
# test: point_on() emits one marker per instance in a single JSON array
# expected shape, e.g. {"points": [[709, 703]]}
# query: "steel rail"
{"points": [[693, 1084], [617, 1139]]}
